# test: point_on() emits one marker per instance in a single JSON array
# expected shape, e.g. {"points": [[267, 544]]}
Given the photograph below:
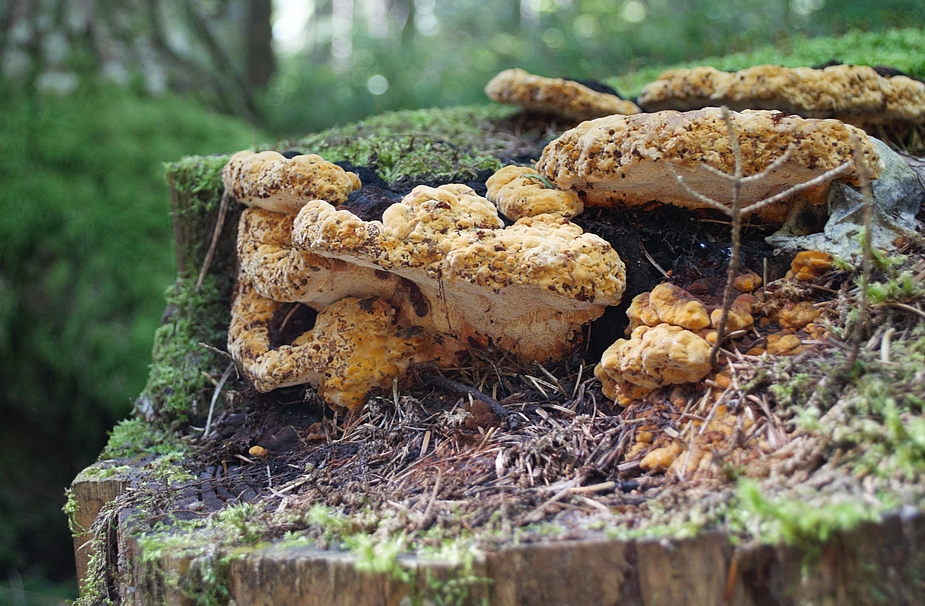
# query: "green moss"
{"points": [[178, 384], [903, 49], [802, 522], [70, 509], [103, 471], [410, 146], [133, 437]]}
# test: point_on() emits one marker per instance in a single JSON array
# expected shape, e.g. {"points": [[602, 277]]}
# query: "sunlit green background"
{"points": [[85, 237]]}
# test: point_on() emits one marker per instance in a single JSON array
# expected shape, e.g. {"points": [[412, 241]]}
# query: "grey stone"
{"points": [[897, 197]]}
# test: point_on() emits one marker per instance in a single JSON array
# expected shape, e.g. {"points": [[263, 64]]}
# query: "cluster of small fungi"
{"points": [[442, 270]]}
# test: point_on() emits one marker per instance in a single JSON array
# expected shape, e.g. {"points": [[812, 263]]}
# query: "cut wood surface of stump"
{"points": [[615, 468]]}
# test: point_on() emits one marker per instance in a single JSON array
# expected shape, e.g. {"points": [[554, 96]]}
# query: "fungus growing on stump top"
{"points": [[855, 94], [355, 345], [437, 274], [672, 333], [565, 98], [271, 181], [519, 191], [635, 160], [527, 288]]}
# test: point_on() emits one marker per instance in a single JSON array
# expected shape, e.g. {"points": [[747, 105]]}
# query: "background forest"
{"points": [[96, 94]]}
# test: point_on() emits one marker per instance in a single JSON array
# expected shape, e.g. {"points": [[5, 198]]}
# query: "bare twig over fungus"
{"points": [[634, 160]]}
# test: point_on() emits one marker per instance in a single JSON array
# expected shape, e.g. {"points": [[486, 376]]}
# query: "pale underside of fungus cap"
{"points": [[527, 288], [354, 346], [855, 94], [634, 160], [555, 96], [280, 272], [270, 180], [519, 192]]}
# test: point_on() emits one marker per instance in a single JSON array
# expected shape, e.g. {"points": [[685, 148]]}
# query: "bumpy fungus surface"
{"points": [[355, 345], [270, 180], [282, 273], [670, 304], [528, 287], [672, 332], [633, 160], [555, 96], [810, 264], [519, 192], [852, 93], [654, 356]]}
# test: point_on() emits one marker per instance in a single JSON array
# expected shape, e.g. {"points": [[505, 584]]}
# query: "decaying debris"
{"points": [[855, 94], [527, 287], [519, 191], [635, 160], [565, 98], [271, 181]]}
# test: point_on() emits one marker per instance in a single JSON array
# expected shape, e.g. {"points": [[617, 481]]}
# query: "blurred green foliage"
{"points": [[85, 257], [446, 52]]}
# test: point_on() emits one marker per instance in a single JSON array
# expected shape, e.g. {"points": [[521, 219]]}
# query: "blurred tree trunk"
{"points": [[261, 64], [213, 47]]}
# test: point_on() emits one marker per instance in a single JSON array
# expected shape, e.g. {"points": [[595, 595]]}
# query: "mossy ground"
{"points": [[855, 438]]}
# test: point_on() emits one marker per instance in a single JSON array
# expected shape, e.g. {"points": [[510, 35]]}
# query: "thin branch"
{"points": [[735, 213], [215, 394], [216, 232], [826, 176], [440, 381], [770, 168], [860, 328], [708, 201]]}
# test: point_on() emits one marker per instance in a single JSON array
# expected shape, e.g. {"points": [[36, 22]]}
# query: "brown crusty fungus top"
{"points": [[634, 160], [518, 191], [852, 93], [271, 181], [555, 96]]}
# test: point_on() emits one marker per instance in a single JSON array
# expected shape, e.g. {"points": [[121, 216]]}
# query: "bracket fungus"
{"points": [[653, 356], [527, 288], [270, 180], [354, 346], [672, 333], [282, 273], [635, 160], [855, 94], [440, 271], [520, 191], [565, 98]]}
